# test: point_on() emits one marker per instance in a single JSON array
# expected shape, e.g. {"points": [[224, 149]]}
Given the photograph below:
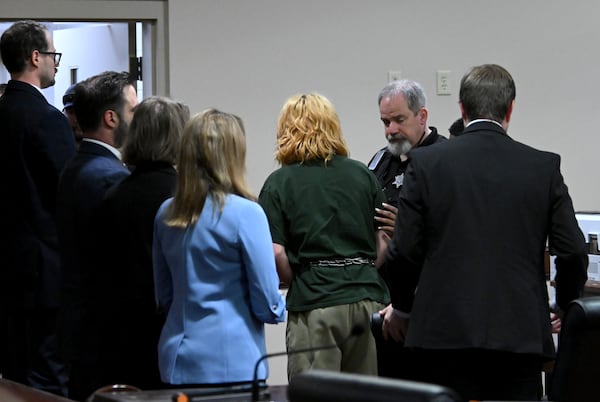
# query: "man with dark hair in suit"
{"points": [[104, 107], [456, 128], [36, 144], [466, 260], [69, 112]]}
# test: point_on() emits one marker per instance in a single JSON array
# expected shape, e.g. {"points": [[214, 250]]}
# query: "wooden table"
{"points": [[14, 392]]}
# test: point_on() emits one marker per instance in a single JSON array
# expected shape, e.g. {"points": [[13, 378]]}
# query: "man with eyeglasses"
{"points": [[37, 142]]}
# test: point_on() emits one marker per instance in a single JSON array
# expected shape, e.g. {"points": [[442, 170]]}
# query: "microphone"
{"points": [[357, 330]]}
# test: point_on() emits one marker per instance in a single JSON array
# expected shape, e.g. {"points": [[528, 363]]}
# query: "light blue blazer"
{"points": [[218, 281]]}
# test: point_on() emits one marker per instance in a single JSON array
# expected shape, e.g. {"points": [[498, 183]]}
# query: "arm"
{"points": [[267, 303], [382, 238], [406, 250], [52, 146], [568, 244], [273, 209], [284, 270], [163, 283]]}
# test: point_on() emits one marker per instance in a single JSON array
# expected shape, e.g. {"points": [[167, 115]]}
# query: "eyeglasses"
{"points": [[56, 56]]}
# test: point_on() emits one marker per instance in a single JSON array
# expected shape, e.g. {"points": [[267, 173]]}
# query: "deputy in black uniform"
{"points": [[403, 110]]}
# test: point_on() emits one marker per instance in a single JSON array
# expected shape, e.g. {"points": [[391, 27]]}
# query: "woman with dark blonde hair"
{"points": [[214, 266], [320, 207]]}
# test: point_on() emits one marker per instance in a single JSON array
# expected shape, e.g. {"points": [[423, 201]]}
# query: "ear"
{"points": [[110, 118], [35, 58], [423, 114]]}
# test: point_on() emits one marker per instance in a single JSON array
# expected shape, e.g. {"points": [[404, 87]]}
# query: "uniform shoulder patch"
{"points": [[376, 159]]}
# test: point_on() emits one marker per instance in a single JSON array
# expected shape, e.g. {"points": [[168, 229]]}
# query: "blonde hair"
{"points": [[211, 163], [308, 129]]}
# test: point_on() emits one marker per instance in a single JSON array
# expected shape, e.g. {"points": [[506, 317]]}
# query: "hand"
{"points": [[556, 323], [393, 326], [386, 217]]}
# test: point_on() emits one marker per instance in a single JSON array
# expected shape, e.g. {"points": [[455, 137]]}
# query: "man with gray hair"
{"points": [[403, 110]]}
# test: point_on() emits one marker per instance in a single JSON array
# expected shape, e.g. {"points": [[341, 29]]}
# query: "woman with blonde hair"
{"points": [[320, 207], [214, 266]]}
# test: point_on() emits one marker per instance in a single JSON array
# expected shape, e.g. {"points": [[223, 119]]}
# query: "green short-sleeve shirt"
{"points": [[325, 212]]}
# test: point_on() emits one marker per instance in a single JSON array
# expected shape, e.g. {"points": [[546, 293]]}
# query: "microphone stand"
{"points": [[255, 384], [356, 331]]}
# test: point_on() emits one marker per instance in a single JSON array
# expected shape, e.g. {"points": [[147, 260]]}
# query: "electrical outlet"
{"points": [[443, 82], [394, 75]]}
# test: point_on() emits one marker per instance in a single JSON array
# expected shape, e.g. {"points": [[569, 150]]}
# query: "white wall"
{"points": [[247, 57], [92, 49]]}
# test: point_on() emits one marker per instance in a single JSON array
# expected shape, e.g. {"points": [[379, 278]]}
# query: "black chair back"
{"points": [[329, 386], [576, 372]]}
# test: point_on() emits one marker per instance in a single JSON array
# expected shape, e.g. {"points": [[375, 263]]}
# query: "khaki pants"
{"points": [[332, 326]]}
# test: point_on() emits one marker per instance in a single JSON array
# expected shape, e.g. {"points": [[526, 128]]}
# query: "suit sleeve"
{"points": [[406, 250], [267, 303], [567, 243]]}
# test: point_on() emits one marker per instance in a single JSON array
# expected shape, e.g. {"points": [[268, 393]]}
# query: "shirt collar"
{"points": [[112, 149], [484, 120]]}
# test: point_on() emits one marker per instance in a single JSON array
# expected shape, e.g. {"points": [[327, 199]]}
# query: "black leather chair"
{"points": [[329, 386], [576, 373]]}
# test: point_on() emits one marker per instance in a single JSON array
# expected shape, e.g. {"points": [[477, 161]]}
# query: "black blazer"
{"points": [[37, 142], [474, 216], [125, 282]]}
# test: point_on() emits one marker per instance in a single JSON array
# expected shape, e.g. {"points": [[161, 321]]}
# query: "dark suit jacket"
{"points": [[37, 141], [129, 343], [82, 186], [473, 219]]}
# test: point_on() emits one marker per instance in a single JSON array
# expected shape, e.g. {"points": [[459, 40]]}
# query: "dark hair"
{"points": [[98, 94], [486, 92], [19, 41], [457, 127], [68, 97]]}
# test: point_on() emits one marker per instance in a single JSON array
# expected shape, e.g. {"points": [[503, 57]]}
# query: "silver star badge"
{"points": [[398, 180]]}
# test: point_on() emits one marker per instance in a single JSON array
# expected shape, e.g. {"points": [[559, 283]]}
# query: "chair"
{"points": [[577, 367], [329, 386]]}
